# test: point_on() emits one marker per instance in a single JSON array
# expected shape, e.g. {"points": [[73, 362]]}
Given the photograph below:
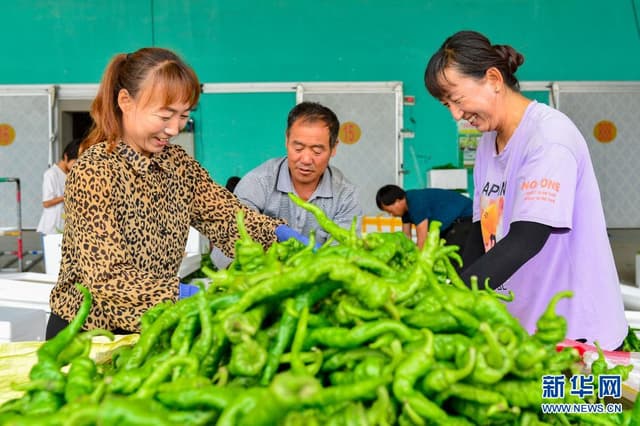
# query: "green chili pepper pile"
{"points": [[369, 331]]}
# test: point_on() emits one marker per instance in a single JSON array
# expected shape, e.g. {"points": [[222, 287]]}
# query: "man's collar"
{"points": [[285, 185]]}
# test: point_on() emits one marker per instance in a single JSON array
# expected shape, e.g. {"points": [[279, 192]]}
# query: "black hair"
{"points": [[232, 182], [312, 112], [72, 149], [472, 54], [388, 195]]}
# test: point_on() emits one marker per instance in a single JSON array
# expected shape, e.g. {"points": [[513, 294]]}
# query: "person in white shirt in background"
{"points": [[52, 219]]}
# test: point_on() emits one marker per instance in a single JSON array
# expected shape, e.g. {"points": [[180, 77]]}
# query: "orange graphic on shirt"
{"points": [[489, 220]]}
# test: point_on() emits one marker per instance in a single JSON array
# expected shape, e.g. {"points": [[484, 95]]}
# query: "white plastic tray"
{"points": [[31, 294], [631, 297]]}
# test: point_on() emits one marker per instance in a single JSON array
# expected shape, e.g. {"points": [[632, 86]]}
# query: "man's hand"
{"points": [[284, 233]]}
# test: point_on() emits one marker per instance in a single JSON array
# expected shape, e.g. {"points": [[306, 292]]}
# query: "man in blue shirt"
{"points": [[419, 206]]}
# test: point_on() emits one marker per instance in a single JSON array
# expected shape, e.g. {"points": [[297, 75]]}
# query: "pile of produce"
{"points": [[369, 331]]}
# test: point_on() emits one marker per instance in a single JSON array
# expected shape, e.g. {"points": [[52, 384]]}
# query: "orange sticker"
{"points": [[7, 134], [605, 131], [349, 133]]}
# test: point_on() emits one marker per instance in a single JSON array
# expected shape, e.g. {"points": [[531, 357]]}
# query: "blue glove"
{"points": [[187, 290], [284, 233]]}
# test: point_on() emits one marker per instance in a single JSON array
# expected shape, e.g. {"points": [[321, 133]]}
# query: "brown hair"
{"points": [[472, 54], [145, 74]]}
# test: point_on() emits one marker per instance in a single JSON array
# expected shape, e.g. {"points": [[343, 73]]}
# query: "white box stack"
{"points": [[447, 179], [52, 253]]}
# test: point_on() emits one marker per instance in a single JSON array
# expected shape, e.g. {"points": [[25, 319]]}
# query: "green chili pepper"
{"points": [[446, 346], [205, 339], [158, 375], [346, 237], [472, 393], [80, 380], [412, 367], [440, 377], [152, 314], [631, 342], [127, 381], [351, 357], [167, 320], [280, 285], [47, 369], [552, 328], [493, 360], [529, 354], [83, 371], [521, 393], [52, 348], [338, 337], [440, 322], [488, 308], [310, 417], [483, 413], [370, 289], [78, 345], [239, 325], [306, 391], [254, 406], [382, 411], [126, 411], [469, 324], [183, 334], [303, 255], [194, 392], [287, 327], [350, 310], [210, 362], [247, 358]]}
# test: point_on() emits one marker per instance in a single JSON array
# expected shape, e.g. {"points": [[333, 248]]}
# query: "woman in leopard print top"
{"points": [[132, 196]]}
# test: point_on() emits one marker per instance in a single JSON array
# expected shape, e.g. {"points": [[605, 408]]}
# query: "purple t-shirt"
{"points": [[545, 175]]}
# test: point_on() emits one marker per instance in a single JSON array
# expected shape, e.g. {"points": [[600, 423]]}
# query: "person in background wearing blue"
{"points": [[53, 182], [311, 140], [420, 206]]}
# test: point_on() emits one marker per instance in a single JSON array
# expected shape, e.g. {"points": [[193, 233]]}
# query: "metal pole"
{"points": [[20, 246]]}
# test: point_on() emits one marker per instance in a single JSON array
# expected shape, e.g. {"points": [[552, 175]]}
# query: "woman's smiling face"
{"points": [[471, 99], [148, 127]]}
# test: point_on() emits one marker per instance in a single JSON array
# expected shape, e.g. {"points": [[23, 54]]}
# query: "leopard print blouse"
{"points": [[127, 222]]}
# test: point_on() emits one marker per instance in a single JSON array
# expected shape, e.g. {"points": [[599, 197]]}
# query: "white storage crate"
{"points": [[26, 290], [22, 324], [630, 297]]}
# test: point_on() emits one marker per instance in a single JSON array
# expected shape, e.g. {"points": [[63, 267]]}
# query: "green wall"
{"points": [[70, 41]]}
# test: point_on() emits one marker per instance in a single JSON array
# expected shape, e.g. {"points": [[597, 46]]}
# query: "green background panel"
{"points": [[242, 131], [70, 41]]}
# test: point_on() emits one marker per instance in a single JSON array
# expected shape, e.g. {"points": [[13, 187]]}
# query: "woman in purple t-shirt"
{"points": [[539, 226]]}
